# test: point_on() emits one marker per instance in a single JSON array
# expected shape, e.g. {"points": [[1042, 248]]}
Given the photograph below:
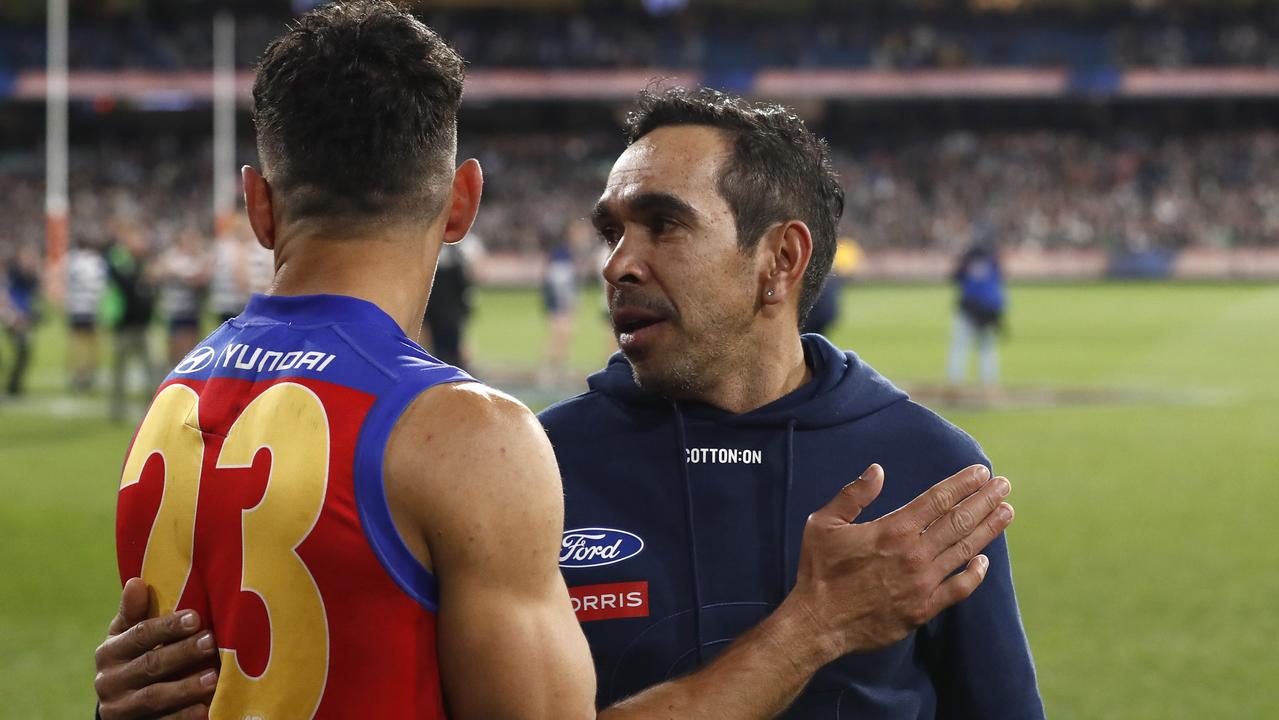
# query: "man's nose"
{"points": [[625, 265]]}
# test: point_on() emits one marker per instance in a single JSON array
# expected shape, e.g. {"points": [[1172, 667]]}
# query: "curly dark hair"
{"points": [[356, 107], [778, 170]]}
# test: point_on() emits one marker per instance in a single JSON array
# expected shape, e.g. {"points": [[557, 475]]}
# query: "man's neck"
{"points": [[769, 371], [387, 271]]}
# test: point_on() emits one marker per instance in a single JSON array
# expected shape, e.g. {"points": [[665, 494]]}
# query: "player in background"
{"points": [[22, 283], [127, 260], [979, 311], [240, 268], [444, 325], [559, 300], [825, 313], [307, 473], [182, 273], [86, 284]]}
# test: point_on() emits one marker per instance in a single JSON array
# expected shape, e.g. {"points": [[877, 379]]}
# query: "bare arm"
{"points": [[470, 472]]}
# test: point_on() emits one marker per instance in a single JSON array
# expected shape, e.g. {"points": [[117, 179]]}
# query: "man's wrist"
{"points": [[800, 637]]}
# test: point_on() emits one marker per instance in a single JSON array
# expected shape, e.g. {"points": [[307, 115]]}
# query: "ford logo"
{"points": [[592, 547], [196, 361]]}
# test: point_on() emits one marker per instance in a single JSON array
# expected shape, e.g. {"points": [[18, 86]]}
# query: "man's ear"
{"points": [[258, 205], [464, 200], [787, 249]]}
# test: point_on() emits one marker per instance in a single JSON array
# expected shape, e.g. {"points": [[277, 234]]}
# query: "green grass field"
{"points": [[1145, 549]]}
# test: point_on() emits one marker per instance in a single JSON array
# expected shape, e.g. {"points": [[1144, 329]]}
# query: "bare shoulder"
{"points": [[463, 426], [464, 456]]}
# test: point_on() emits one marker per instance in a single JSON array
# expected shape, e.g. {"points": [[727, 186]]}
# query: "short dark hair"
{"points": [[356, 107], [778, 170]]}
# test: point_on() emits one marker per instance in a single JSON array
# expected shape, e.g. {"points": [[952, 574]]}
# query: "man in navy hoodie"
{"points": [[703, 458], [693, 461]]}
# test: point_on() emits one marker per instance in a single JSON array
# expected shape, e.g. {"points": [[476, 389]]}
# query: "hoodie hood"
{"points": [[843, 389]]}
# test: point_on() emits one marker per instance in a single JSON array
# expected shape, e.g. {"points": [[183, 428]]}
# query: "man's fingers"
{"points": [[167, 660], [133, 606], [968, 546], [169, 697], [967, 516], [855, 496], [957, 587], [148, 634], [940, 498]]}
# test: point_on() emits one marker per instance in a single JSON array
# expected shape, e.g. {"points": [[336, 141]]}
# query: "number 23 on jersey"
{"points": [[289, 422]]}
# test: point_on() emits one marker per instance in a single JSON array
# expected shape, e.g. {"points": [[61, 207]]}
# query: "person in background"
{"points": [[825, 312], [240, 268], [127, 260], [23, 290], [444, 323], [980, 312], [86, 285], [559, 298], [182, 273]]}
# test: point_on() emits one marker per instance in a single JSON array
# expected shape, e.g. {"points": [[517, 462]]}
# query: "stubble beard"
{"points": [[690, 371], [675, 380]]}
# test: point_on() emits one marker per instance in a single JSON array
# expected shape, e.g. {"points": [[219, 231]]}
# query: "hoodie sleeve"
{"points": [[978, 655], [977, 652]]}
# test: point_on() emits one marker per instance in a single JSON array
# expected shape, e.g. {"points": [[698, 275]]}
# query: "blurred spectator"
{"points": [[86, 285], [825, 312], [559, 299], [241, 267], [127, 262], [22, 283], [980, 312], [181, 271], [560, 284], [449, 308]]}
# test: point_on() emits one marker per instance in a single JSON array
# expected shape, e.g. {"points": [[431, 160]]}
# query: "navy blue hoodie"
{"points": [[683, 527]]}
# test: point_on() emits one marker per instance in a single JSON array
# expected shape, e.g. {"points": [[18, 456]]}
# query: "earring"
{"points": [[770, 292]]}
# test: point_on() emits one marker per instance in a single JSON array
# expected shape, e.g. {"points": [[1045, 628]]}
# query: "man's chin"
{"points": [[660, 379]]}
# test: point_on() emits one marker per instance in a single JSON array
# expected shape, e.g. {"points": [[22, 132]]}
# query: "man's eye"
{"points": [[611, 235], [662, 225]]}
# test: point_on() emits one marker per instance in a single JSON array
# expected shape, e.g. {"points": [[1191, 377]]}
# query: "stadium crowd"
{"points": [[1042, 189], [141, 217], [608, 36]]}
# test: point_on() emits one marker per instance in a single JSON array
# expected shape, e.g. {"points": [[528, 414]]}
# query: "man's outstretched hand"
{"points": [[154, 668], [865, 586]]}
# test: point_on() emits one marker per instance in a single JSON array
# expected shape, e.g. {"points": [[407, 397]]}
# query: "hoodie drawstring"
{"points": [[784, 564], [681, 443]]}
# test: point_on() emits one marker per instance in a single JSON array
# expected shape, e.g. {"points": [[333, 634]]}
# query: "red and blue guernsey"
{"points": [[253, 493]]}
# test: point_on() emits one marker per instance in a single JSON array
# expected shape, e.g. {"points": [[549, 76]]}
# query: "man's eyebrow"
{"points": [[649, 203], [600, 214], [655, 202]]}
